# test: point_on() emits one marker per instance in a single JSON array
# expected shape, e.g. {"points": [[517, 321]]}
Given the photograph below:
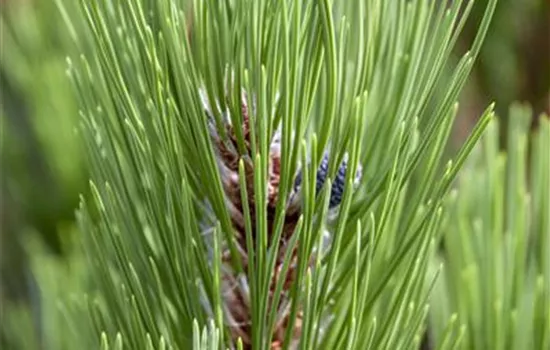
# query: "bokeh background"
{"points": [[43, 172], [514, 63]]}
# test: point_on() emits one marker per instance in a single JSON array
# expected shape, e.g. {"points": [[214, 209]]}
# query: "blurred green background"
{"points": [[514, 63], [42, 167]]}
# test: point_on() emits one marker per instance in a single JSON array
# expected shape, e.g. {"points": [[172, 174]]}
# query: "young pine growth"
{"points": [[236, 290], [293, 206]]}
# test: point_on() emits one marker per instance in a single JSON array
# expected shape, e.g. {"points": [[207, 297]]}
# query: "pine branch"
{"points": [[496, 278], [302, 214]]}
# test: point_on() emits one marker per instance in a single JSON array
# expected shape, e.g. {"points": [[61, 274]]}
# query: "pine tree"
{"points": [[274, 175], [267, 169]]}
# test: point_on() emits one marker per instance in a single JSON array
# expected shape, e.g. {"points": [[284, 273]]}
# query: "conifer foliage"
{"points": [[268, 170]]}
